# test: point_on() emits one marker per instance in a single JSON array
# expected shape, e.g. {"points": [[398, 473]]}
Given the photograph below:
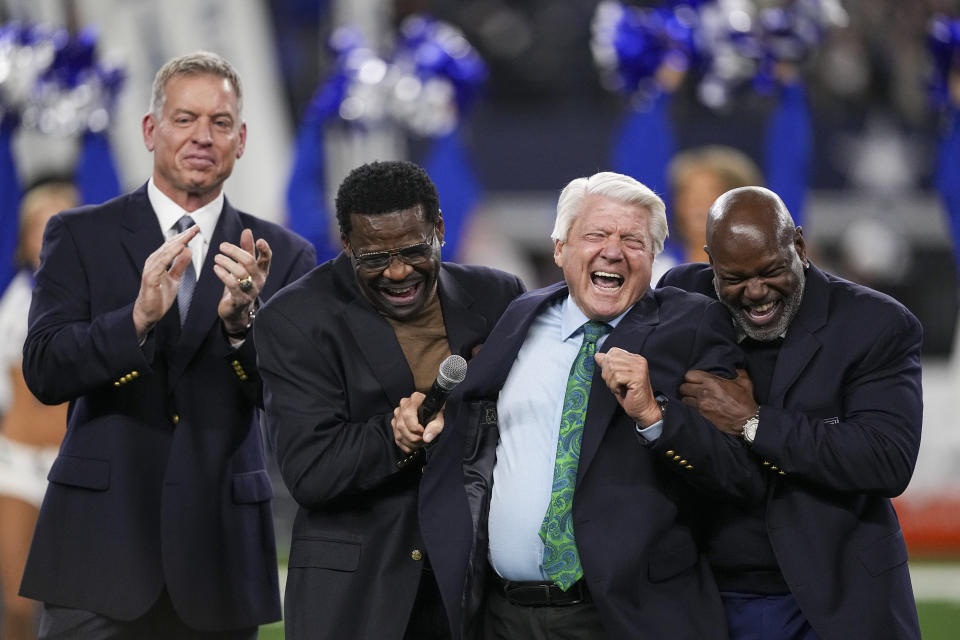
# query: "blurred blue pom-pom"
{"points": [[426, 85], [55, 82], [943, 42]]}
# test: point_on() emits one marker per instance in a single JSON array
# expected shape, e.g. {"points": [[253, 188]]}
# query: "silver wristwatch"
{"points": [[750, 427], [662, 403]]}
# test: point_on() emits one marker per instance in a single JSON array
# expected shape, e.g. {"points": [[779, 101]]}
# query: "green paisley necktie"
{"points": [[561, 560]]}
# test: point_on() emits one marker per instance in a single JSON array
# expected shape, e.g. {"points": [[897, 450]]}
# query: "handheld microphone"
{"points": [[452, 372]]}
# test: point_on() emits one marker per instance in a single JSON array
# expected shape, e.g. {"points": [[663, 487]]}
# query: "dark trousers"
{"points": [[759, 617], [161, 622], [505, 621]]}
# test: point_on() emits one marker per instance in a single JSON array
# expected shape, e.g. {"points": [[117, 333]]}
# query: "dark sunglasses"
{"points": [[379, 260]]}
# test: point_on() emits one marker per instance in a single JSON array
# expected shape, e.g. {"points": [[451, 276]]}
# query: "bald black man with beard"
{"points": [[830, 415]]}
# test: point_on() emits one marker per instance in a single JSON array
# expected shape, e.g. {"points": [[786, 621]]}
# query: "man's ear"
{"points": [[148, 126], [439, 227], [344, 242], [801, 246], [558, 252], [243, 140]]}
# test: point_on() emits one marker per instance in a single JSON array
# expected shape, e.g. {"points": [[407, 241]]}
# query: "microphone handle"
{"points": [[432, 403], [430, 407]]}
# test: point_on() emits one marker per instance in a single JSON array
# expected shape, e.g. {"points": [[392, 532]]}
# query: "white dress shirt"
{"points": [[169, 212]]}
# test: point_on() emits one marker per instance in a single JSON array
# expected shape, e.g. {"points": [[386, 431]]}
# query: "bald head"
{"points": [[758, 259], [751, 211]]}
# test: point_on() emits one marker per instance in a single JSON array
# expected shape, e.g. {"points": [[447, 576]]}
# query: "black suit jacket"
{"points": [[160, 478], [635, 522], [838, 438], [333, 372]]}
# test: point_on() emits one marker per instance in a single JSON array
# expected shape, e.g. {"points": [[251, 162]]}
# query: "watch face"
{"points": [[750, 429]]}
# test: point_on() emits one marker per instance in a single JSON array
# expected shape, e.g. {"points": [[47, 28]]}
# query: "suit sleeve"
{"points": [[872, 445], [709, 460], [323, 455], [68, 352]]}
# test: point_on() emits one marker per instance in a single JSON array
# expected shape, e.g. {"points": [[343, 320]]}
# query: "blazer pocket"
{"points": [[884, 554], [251, 487], [86, 473], [668, 563], [324, 553]]}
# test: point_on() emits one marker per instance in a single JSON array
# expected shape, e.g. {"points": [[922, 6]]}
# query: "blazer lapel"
{"points": [[142, 234], [631, 335], [465, 328], [801, 343], [488, 371]]}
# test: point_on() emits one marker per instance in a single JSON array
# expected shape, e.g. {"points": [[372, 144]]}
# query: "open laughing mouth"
{"points": [[606, 280], [761, 314], [401, 294]]}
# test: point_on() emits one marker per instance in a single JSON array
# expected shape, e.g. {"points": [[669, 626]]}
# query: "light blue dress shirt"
{"points": [[528, 410]]}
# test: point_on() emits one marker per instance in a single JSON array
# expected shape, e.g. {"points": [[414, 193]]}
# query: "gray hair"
{"points": [[617, 187], [196, 63]]}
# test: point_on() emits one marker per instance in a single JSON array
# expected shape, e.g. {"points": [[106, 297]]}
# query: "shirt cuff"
{"points": [[651, 433]]}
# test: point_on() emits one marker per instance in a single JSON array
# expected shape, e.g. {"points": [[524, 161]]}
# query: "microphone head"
{"points": [[452, 372]]}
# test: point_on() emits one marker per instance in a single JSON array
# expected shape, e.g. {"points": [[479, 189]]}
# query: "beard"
{"points": [[766, 333]]}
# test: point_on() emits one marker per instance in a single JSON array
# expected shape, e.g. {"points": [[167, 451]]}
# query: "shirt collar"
{"points": [[572, 318], [168, 211]]}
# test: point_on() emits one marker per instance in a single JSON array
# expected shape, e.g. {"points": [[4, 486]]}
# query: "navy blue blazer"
{"points": [[838, 438], [333, 372], [635, 521], [160, 479]]}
